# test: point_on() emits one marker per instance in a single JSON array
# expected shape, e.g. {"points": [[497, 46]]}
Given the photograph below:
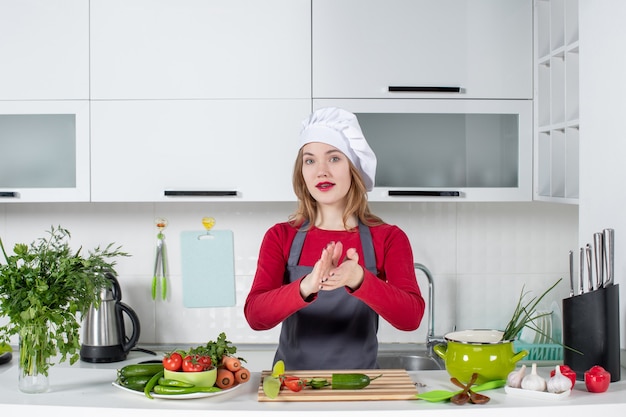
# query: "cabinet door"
{"points": [[187, 49], [195, 150], [482, 47], [44, 49], [447, 150], [44, 151]]}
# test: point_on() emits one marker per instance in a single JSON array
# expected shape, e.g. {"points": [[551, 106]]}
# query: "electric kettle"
{"points": [[104, 335]]}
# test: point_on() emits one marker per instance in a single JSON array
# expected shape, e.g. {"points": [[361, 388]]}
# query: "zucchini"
{"points": [[140, 369], [351, 381]]}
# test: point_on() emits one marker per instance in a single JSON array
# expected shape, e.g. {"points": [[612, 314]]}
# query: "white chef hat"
{"points": [[341, 129]]}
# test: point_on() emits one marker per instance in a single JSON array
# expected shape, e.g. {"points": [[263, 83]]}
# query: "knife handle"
{"points": [[589, 267], [609, 255], [581, 271], [598, 246]]}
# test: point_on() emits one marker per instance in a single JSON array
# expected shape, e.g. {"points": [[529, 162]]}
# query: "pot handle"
{"points": [[441, 350], [519, 355], [132, 341]]}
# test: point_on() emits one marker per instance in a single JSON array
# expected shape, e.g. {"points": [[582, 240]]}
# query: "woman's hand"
{"points": [[348, 274], [329, 258]]}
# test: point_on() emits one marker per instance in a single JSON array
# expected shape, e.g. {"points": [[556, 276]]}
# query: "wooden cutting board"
{"points": [[394, 384]]}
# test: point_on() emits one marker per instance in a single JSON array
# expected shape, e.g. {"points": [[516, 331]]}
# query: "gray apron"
{"points": [[337, 330]]}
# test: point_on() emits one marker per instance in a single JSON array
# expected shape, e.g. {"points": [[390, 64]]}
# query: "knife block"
{"points": [[591, 326]]}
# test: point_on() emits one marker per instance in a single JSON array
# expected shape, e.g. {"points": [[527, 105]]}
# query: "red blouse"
{"points": [[393, 294]]}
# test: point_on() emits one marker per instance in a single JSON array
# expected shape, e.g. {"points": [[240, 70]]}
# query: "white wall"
{"points": [[481, 254], [603, 141]]}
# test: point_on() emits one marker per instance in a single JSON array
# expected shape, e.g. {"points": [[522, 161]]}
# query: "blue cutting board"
{"points": [[208, 268]]}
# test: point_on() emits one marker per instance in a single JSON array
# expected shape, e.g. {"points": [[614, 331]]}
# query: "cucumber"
{"points": [[134, 380], [317, 383], [143, 369], [351, 381]]}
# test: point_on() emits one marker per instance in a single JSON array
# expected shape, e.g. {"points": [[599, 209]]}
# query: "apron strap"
{"points": [[366, 245]]}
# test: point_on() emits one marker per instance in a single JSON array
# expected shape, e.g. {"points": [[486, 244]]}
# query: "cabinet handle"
{"points": [[177, 193], [8, 194], [423, 89], [410, 193]]}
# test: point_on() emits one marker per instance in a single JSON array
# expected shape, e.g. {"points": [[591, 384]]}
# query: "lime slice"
{"points": [[271, 386], [278, 369]]}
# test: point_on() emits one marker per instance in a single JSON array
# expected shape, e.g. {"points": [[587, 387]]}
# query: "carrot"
{"points": [[231, 363], [225, 378], [242, 375]]}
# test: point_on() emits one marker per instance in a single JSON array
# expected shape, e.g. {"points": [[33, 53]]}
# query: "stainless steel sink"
{"points": [[409, 362]]}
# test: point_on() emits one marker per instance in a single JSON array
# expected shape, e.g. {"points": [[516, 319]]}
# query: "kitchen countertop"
{"points": [[85, 388]]}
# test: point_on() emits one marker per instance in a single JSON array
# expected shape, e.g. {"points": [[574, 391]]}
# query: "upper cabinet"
{"points": [[194, 150], [423, 49], [557, 136], [44, 49], [44, 151], [195, 49]]}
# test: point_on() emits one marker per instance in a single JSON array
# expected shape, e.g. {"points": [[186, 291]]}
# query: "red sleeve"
{"points": [[394, 294], [269, 301]]}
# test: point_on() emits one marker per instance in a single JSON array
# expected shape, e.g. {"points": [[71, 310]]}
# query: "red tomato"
{"points": [[566, 371], [597, 379], [205, 361], [172, 361], [295, 384], [191, 364]]}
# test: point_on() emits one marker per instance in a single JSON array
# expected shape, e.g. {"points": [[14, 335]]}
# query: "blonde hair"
{"points": [[357, 203]]}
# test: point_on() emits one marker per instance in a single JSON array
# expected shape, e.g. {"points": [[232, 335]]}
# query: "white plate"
{"points": [[181, 396], [539, 395]]}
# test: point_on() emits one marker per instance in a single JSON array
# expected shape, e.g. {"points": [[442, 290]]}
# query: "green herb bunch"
{"points": [[525, 315], [46, 287]]}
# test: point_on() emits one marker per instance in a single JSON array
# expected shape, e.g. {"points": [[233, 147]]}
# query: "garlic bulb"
{"points": [[514, 380], [559, 383], [534, 381]]}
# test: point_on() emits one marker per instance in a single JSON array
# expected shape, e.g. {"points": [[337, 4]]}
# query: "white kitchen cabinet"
{"points": [[196, 49], [44, 151], [44, 49], [447, 150], [195, 150], [557, 136], [363, 48]]}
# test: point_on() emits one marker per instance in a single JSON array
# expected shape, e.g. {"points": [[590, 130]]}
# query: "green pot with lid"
{"points": [[478, 351]]}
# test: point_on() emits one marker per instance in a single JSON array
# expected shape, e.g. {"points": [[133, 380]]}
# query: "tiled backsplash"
{"points": [[480, 254]]}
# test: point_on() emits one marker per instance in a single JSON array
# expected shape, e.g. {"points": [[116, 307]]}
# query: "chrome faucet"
{"points": [[431, 339]]}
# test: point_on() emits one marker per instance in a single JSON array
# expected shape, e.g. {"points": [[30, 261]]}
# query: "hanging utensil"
{"points": [[609, 255], [160, 262]]}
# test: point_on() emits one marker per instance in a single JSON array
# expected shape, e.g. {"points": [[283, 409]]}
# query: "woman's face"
{"points": [[326, 172]]}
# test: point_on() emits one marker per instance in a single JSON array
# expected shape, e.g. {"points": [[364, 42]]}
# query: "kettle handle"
{"points": [[132, 341]]}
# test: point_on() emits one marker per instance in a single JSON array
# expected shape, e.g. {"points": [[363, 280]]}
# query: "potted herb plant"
{"points": [[45, 287]]}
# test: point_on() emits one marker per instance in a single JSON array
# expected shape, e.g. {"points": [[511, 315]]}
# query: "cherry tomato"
{"points": [[597, 379], [172, 361], [566, 371], [295, 384], [205, 361], [191, 364]]}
